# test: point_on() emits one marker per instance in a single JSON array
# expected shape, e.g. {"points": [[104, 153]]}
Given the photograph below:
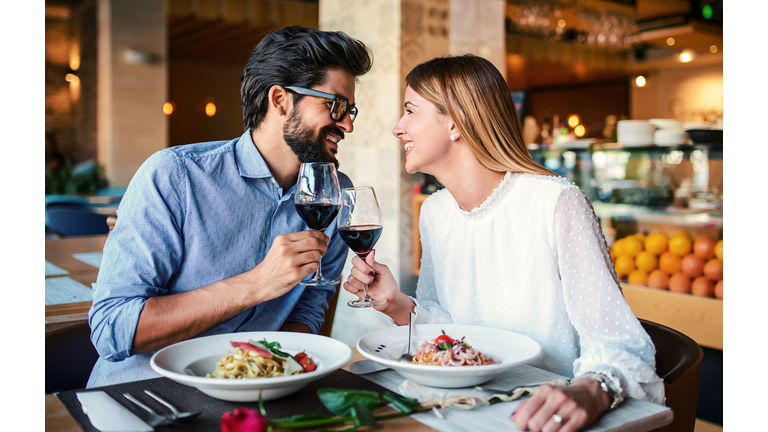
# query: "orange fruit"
{"points": [[632, 246], [670, 263], [656, 243], [680, 283], [618, 247], [719, 250], [624, 265], [646, 261], [702, 286], [693, 266], [679, 245], [640, 236], [704, 247], [658, 279], [685, 234], [719, 289], [638, 277], [713, 270]]}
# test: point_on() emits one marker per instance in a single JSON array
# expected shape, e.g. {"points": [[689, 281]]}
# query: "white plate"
{"points": [[189, 361], [511, 349]]}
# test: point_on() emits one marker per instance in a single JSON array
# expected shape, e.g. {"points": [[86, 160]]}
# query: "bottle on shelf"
{"points": [[545, 135]]}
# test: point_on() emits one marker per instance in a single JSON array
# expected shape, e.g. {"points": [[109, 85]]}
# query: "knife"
{"points": [[363, 367]]}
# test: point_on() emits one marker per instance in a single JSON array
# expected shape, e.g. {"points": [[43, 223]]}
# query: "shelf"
{"points": [[700, 318], [714, 147], [680, 217]]}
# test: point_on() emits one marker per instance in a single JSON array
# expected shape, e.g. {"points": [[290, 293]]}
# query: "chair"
{"points": [[678, 363], [69, 358], [325, 329], [72, 221], [63, 201]]}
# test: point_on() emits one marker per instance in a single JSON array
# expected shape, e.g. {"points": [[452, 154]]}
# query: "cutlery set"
{"points": [[107, 415]]}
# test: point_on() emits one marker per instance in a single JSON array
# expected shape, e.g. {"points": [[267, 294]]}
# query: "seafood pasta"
{"points": [[446, 351]]}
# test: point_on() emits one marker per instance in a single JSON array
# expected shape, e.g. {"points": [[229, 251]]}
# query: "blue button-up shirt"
{"points": [[194, 215]]}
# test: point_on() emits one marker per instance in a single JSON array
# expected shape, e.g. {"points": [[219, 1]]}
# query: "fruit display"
{"points": [[681, 263]]}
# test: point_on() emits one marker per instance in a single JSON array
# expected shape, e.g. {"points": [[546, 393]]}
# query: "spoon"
{"points": [[406, 357], [178, 415]]}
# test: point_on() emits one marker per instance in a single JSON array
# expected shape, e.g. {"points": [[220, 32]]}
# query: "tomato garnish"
{"points": [[300, 356], [444, 338], [307, 364]]}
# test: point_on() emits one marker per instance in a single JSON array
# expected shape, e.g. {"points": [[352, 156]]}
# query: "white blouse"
{"points": [[532, 259]]}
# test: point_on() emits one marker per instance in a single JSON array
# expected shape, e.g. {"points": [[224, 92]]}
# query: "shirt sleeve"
{"points": [[613, 342], [428, 308], [141, 254]]}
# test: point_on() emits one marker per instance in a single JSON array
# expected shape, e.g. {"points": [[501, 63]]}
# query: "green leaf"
{"points": [[273, 346], [300, 418], [362, 415], [341, 401], [401, 403]]}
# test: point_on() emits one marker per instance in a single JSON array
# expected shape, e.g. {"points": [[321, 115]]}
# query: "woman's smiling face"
{"points": [[425, 134]]}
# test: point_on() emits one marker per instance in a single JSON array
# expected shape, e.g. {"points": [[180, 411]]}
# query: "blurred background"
{"points": [[624, 97]]}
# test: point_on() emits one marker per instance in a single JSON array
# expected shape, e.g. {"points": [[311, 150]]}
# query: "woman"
{"points": [[509, 244]]}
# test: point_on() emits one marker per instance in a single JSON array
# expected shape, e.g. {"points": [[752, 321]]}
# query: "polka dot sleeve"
{"points": [[613, 342]]}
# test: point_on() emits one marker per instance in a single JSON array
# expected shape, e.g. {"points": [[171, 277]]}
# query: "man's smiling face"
{"points": [[310, 131]]}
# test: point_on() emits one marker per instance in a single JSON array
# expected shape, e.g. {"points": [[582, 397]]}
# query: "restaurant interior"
{"points": [[622, 97]]}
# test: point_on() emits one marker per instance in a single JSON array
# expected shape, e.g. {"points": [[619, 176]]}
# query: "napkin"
{"points": [[107, 415]]}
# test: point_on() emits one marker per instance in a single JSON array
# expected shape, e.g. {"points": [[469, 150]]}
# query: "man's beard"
{"points": [[304, 144]]}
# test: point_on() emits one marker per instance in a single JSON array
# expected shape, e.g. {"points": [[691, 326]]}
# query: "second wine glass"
{"points": [[317, 201], [360, 226]]}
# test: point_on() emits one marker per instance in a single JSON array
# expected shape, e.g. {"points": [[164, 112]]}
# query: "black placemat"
{"points": [[187, 398]]}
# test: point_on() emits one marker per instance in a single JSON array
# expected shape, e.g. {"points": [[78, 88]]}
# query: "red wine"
{"points": [[318, 216], [361, 238]]}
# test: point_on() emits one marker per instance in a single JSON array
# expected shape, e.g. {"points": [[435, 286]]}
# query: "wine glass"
{"points": [[360, 226], [317, 201]]}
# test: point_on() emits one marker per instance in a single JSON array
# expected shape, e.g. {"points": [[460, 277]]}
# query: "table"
{"points": [[60, 252], [57, 417]]}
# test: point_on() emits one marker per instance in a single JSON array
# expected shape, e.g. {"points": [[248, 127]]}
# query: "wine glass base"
{"points": [[321, 282], [365, 303]]}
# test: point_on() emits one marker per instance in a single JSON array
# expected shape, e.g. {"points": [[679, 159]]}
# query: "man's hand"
{"points": [[291, 258]]}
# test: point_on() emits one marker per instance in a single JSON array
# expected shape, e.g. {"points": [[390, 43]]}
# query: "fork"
{"points": [[155, 419], [407, 357]]}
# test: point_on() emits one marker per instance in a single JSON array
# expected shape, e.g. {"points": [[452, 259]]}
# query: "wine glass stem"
{"points": [[319, 272], [366, 297]]}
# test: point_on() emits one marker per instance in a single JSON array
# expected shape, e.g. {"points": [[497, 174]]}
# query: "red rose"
{"points": [[243, 420]]}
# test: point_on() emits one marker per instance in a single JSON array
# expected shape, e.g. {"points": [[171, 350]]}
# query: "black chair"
{"points": [[69, 358], [71, 221], [678, 363]]}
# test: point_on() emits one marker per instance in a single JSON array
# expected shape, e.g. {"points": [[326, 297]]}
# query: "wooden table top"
{"points": [[60, 252], [57, 418]]}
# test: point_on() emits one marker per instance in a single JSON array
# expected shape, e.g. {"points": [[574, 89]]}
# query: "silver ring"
{"points": [[557, 418]]}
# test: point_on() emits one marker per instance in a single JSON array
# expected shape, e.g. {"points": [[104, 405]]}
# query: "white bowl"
{"points": [[511, 349], [189, 361]]}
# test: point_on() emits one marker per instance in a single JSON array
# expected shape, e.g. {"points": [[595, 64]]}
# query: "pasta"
{"points": [[445, 351], [255, 360]]}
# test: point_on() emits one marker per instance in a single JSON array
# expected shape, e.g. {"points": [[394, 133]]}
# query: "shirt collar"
{"points": [[249, 160]]}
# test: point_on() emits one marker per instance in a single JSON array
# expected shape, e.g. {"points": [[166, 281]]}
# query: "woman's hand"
{"points": [[576, 405], [381, 283]]}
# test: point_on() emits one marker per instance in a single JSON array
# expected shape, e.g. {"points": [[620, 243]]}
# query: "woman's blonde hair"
{"points": [[472, 92]]}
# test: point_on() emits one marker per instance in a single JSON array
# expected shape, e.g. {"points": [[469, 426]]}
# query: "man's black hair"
{"points": [[297, 56]]}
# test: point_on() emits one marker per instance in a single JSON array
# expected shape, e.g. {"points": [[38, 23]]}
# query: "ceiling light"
{"points": [[670, 41], [580, 130], [210, 109], [686, 56], [169, 108], [713, 49], [640, 81], [573, 120], [561, 23]]}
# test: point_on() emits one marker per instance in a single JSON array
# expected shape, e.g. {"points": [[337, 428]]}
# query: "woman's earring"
{"points": [[453, 138]]}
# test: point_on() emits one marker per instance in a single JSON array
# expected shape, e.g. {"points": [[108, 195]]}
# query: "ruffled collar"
{"points": [[489, 202]]}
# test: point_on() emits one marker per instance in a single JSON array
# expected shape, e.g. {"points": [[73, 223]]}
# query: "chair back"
{"points": [[678, 363], [330, 313], [72, 221], [69, 358]]}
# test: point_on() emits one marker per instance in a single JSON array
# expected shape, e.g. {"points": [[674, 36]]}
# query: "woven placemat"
{"points": [[187, 398]]}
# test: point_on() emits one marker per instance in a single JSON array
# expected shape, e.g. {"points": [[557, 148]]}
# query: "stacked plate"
{"points": [[668, 132], [634, 133]]}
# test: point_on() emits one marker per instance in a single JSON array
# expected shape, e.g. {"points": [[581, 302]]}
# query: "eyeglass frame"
{"points": [[347, 108]]}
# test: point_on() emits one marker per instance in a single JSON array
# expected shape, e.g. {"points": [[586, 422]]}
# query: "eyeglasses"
{"points": [[339, 108]]}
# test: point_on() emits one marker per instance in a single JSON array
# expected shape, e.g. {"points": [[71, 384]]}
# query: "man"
{"points": [[208, 240]]}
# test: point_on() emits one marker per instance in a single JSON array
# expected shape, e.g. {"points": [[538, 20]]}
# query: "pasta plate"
{"points": [[189, 361], [511, 349]]}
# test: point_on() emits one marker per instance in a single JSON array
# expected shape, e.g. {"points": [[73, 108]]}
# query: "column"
{"points": [[132, 85]]}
